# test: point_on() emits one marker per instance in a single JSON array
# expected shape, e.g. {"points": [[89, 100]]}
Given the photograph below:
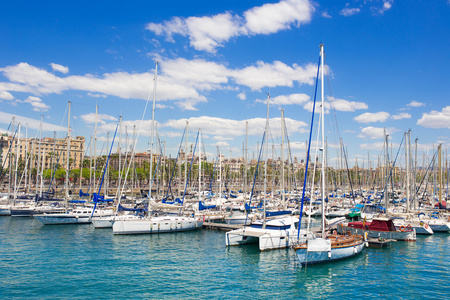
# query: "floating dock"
{"points": [[379, 243], [221, 226]]}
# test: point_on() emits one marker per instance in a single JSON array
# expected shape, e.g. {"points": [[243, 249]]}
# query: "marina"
{"points": [[215, 150], [79, 262]]}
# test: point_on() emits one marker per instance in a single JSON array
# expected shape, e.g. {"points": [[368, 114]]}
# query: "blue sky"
{"points": [[387, 64]]}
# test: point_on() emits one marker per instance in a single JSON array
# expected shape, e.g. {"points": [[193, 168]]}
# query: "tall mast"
{"points": [[39, 157], [95, 147], [152, 133], [10, 159], [67, 155], [283, 200], [440, 172], [267, 160], [186, 155], [245, 158], [26, 157], [199, 165], [119, 149], [323, 139], [17, 163], [408, 136]]}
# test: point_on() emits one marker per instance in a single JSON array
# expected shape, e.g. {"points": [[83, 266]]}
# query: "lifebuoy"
{"points": [[426, 225], [409, 227], [402, 228]]}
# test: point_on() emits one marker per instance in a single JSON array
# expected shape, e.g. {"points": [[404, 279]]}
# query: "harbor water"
{"points": [[80, 262]]}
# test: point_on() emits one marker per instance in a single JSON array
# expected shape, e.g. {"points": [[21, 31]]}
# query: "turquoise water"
{"points": [[79, 262]]}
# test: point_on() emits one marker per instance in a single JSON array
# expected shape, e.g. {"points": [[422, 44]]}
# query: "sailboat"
{"points": [[326, 247], [76, 215], [149, 224], [276, 233]]}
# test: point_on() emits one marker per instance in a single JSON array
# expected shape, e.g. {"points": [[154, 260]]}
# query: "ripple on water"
{"points": [[78, 262]]}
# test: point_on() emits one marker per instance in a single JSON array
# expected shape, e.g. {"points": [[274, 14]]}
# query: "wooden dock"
{"points": [[220, 226], [379, 243]]}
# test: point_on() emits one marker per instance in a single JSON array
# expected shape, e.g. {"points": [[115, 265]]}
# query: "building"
{"points": [[53, 151]]}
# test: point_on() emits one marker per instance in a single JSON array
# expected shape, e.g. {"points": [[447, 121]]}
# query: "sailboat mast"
{"points": [[323, 138], [67, 155], [283, 200], [199, 165], [17, 163], [267, 161], [150, 181], [95, 147], [186, 155]]}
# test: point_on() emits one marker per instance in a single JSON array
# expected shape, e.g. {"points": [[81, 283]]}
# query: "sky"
{"points": [[387, 65]]}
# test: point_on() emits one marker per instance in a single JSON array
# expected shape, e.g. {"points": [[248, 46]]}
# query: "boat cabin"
{"points": [[378, 224]]}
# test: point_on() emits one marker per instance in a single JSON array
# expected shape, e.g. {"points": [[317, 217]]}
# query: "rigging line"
{"points": [[393, 165], [175, 164], [309, 148], [96, 196], [254, 181], [134, 146]]}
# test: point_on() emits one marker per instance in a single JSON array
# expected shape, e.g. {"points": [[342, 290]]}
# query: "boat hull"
{"points": [[58, 219], [309, 257], [266, 238], [156, 225]]}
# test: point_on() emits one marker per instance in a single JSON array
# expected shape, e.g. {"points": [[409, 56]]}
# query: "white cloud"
{"points": [[208, 33], [372, 117], [345, 105], [4, 95], [59, 68], [372, 146], [326, 15], [337, 104], [375, 132], [37, 103], [273, 17], [242, 96], [5, 118], [346, 12], [275, 74], [222, 144], [96, 95], [297, 99], [101, 118], [205, 33], [182, 81], [230, 128], [415, 103], [221, 138], [401, 116], [436, 119], [387, 4]]}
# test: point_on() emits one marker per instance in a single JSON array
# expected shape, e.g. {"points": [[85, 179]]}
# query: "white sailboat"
{"points": [[277, 233], [150, 224], [332, 247]]}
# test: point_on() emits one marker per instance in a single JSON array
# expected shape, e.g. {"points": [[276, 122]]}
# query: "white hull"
{"points": [[277, 234], [156, 225], [419, 227], [443, 227], [103, 222], [78, 216], [308, 256], [5, 210], [268, 239], [56, 219]]}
